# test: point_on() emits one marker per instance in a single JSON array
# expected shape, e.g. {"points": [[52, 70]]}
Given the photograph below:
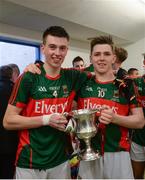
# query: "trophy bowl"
{"points": [[86, 129]]}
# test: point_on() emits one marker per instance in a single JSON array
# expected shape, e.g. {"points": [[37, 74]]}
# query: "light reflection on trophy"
{"points": [[86, 129]]}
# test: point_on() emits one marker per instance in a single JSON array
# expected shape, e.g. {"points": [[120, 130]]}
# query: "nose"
{"points": [[57, 51], [102, 57]]}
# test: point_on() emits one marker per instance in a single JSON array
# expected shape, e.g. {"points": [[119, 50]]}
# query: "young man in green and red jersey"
{"points": [[137, 152], [115, 100], [36, 109]]}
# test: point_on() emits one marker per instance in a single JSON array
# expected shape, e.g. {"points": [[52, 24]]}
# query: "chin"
{"points": [[57, 66]]}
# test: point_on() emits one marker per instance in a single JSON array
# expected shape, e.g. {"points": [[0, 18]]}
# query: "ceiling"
{"points": [[83, 19]]}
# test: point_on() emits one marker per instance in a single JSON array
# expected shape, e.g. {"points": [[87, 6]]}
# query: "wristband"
{"points": [[46, 119]]}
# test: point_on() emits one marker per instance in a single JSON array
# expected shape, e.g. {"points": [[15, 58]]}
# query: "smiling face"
{"points": [[55, 49], [102, 58]]}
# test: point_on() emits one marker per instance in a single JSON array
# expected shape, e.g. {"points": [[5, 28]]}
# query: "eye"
{"points": [[52, 46], [107, 53], [63, 48], [96, 54]]}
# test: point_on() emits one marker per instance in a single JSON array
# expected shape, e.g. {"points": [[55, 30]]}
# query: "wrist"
{"points": [[46, 119]]}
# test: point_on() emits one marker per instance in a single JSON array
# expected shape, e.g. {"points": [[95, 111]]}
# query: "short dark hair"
{"points": [[15, 68], [102, 40], [131, 70], [121, 54], [77, 59], [6, 71], [57, 31]]}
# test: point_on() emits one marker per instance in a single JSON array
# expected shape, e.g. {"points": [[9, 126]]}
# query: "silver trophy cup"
{"points": [[86, 129]]}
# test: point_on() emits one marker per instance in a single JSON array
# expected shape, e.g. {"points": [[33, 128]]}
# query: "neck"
{"points": [[50, 71], [105, 77]]}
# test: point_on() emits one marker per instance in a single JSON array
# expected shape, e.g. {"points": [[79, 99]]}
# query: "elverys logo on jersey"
{"points": [[47, 106], [94, 104]]}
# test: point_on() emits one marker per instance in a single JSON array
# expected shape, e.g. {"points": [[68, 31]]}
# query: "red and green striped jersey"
{"points": [[139, 134], [95, 94], [44, 147]]}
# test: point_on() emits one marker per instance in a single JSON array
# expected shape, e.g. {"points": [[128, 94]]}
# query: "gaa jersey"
{"points": [[44, 147], [139, 134], [90, 68], [116, 95]]}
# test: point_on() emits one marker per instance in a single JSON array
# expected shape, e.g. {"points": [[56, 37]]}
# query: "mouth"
{"points": [[57, 60], [101, 64]]}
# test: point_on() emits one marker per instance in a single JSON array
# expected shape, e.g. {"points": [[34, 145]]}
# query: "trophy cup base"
{"points": [[89, 156]]}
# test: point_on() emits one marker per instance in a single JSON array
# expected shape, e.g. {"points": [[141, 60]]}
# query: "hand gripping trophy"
{"points": [[85, 129]]}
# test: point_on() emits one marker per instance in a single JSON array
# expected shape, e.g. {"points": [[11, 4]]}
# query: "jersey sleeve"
{"points": [[21, 91], [78, 79], [140, 88], [131, 93]]}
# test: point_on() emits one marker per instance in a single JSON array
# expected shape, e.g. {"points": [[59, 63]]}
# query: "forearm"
{"points": [[132, 121], [14, 121], [18, 122]]}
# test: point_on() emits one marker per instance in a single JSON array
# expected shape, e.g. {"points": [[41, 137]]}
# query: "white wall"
{"points": [[77, 48]]}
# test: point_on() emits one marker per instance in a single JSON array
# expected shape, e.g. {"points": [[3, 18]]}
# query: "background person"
{"points": [[16, 71], [8, 139], [121, 56], [133, 73], [78, 63], [137, 152]]}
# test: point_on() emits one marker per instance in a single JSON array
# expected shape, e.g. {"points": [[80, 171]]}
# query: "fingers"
{"points": [[58, 126], [33, 69], [106, 116], [104, 120], [58, 121]]}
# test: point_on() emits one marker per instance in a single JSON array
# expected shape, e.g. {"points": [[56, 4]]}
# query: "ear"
{"points": [[42, 48], [114, 59], [90, 59]]}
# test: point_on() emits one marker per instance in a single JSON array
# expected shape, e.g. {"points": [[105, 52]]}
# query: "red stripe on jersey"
{"points": [[52, 78], [20, 105], [15, 90], [23, 140], [124, 141], [105, 82]]}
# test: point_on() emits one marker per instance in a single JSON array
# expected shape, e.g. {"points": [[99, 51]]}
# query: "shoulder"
{"points": [[72, 71], [89, 68], [26, 79]]}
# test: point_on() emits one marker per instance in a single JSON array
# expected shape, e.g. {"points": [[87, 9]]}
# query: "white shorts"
{"points": [[137, 152], [111, 166], [59, 172]]}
